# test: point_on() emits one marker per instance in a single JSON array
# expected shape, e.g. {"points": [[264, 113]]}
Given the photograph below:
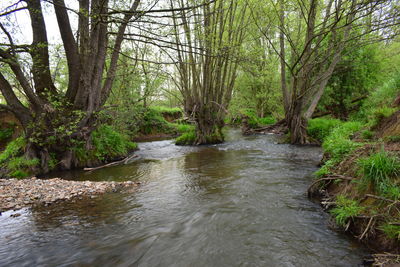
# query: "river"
{"points": [[241, 203]]}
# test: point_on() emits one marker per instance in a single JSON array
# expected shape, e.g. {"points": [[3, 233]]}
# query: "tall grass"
{"points": [[380, 169]]}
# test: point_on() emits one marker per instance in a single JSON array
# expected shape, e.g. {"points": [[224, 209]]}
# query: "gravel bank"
{"points": [[16, 194]]}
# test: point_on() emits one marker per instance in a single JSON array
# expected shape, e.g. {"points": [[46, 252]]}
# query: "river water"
{"points": [[241, 203]]}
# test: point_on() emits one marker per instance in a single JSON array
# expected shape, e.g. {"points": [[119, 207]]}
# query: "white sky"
{"points": [[20, 25]]}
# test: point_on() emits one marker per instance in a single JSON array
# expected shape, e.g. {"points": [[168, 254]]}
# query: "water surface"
{"points": [[241, 203]]}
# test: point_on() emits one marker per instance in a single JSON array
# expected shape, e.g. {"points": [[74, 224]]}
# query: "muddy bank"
{"points": [[16, 194]]}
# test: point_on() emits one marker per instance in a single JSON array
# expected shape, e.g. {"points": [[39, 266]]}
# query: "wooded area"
{"points": [[220, 61]]}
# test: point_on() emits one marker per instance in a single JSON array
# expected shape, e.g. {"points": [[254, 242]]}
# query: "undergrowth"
{"points": [[13, 160], [380, 169], [346, 208]]}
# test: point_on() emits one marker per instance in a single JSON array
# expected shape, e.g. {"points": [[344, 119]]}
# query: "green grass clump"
{"points": [[166, 110], [320, 128], [338, 144], [379, 169], [13, 148], [325, 170], [13, 160], [187, 138], [182, 128], [367, 134], [346, 208], [266, 120], [109, 144], [153, 122], [391, 230]]}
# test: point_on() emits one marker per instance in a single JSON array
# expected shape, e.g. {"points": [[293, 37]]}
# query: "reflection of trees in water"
{"points": [[211, 168], [79, 213]]}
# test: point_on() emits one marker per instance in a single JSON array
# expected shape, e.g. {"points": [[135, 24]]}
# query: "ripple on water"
{"points": [[241, 203]]}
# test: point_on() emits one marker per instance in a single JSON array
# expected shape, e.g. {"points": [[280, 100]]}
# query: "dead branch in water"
{"points": [[115, 163]]}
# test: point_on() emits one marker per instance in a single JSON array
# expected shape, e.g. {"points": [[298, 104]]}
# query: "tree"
{"points": [[53, 118], [208, 41], [313, 36]]}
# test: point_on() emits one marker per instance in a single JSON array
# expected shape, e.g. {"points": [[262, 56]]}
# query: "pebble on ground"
{"points": [[16, 194]]}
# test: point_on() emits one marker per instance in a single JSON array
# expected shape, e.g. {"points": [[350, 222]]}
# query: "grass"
{"points": [[346, 208], [187, 138], [338, 143], [182, 128], [166, 110], [320, 128], [107, 145], [392, 231], [380, 169], [13, 160]]}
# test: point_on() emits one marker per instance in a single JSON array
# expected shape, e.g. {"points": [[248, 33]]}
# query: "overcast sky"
{"points": [[19, 23]]}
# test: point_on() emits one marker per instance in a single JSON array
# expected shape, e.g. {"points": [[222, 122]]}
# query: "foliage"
{"points": [[338, 144], [367, 134], [377, 105], [346, 208], [107, 144], [183, 128], [166, 110], [321, 127], [6, 133], [391, 230], [325, 169], [253, 120], [14, 161], [13, 148], [187, 138], [379, 168], [354, 77]]}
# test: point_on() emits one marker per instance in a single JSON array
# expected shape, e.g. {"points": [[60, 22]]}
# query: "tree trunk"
{"points": [[297, 124], [208, 127]]}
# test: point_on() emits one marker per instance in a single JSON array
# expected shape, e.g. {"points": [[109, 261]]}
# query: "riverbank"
{"points": [[358, 185], [16, 194]]}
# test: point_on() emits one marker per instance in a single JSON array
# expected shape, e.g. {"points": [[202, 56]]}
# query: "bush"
{"points": [[320, 128], [379, 168], [346, 208]]}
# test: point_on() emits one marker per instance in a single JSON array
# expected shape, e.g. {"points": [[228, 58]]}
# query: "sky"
{"points": [[19, 23]]}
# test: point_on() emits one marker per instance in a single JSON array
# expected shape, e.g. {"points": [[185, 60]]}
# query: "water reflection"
{"points": [[241, 203]]}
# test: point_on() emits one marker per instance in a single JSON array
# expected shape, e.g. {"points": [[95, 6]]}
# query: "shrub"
{"points": [[346, 208], [320, 128], [379, 168]]}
